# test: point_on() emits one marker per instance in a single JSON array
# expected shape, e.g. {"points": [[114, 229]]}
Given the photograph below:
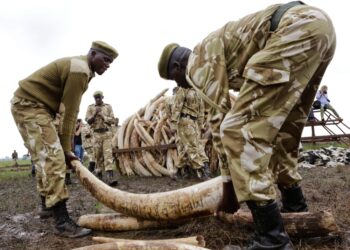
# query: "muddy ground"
{"points": [[20, 227]]}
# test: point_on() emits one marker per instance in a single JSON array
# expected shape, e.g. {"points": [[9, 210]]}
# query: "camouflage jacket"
{"points": [[218, 63], [185, 101], [104, 119]]}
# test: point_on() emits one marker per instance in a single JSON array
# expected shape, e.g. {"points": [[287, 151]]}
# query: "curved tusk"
{"points": [[197, 200]]}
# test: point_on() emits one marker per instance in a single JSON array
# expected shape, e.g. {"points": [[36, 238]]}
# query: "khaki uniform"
{"points": [[186, 112], [88, 142], [102, 133], [55, 88], [277, 75]]}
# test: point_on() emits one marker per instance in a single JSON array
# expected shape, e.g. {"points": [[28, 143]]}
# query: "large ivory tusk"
{"points": [[194, 240], [120, 222], [197, 200], [142, 244]]}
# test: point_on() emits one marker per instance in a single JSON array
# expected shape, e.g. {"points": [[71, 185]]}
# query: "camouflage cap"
{"points": [[98, 92], [164, 60], [105, 48]]}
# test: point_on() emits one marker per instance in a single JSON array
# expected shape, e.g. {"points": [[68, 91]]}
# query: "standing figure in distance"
{"points": [[100, 117]]}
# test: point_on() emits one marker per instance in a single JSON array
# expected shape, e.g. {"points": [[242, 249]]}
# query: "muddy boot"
{"points": [[44, 211], [68, 180], [98, 174], [269, 229], [293, 200], [64, 225], [110, 180], [91, 166]]}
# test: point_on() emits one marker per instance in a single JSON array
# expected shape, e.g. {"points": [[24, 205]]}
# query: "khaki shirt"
{"points": [[104, 119]]}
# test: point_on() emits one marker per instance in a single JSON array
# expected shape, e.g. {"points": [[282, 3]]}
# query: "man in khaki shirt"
{"points": [[100, 117], [56, 88]]}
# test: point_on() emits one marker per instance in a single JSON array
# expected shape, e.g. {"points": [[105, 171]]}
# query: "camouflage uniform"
{"points": [[88, 142], [37, 128], [186, 112], [40, 98], [102, 133], [277, 75]]}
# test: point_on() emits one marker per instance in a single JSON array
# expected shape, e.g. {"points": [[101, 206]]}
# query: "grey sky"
{"points": [[35, 33]]}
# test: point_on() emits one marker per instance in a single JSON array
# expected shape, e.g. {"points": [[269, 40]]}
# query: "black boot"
{"points": [[68, 180], [64, 225], [91, 166], [44, 211], [269, 229], [293, 199], [111, 181], [33, 170]]}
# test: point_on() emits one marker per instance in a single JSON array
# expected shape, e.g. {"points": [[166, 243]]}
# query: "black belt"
{"points": [[277, 15], [188, 116], [101, 130]]}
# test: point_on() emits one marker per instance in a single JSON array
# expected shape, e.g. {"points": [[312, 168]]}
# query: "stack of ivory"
{"points": [[149, 126]]}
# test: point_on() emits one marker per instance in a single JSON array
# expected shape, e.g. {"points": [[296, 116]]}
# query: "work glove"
{"points": [[229, 202], [69, 157]]}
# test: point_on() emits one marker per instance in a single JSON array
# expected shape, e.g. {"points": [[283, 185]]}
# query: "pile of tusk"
{"points": [[149, 126]]}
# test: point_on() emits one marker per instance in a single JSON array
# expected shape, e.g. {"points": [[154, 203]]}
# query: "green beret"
{"points": [[98, 92], [164, 60], [104, 48]]}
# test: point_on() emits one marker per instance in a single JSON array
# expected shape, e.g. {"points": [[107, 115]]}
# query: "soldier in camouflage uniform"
{"points": [[275, 58], [100, 117], [56, 88], [186, 114], [88, 145]]}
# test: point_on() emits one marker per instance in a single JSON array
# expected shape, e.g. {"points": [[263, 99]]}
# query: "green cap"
{"points": [[98, 92], [164, 60], [105, 48]]}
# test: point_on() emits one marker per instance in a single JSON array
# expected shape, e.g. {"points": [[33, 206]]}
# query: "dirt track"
{"points": [[20, 227]]}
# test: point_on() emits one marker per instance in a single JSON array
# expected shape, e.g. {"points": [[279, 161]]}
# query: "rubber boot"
{"points": [[68, 180], [110, 180], [293, 200], [44, 211], [64, 225], [269, 229], [91, 166], [33, 172]]}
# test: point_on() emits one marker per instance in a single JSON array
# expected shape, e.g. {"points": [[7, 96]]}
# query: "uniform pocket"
{"points": [[266, 76]]}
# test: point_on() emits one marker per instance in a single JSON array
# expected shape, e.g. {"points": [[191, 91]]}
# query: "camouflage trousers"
{"points": [[90, 154], [35, 124], [189, 146], [262, 131], [103, 151]]}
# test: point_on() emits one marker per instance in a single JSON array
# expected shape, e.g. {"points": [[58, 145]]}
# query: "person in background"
{"points": [[185, 111], [78, 143], [100, 117], [56, 88], [275, 58], [322, 96], [15, 157], [88, 145]]}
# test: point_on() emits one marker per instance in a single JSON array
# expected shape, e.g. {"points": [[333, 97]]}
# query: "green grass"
{"points": [[10, 163], [7, 175], [311, 146]]}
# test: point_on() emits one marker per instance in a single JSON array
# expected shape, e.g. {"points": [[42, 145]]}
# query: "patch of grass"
{"points": [[311, 146], [10, 163], [98, 207], [6, 175]]}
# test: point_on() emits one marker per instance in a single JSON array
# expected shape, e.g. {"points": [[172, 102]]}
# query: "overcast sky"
{"points": [[37, 32]]}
